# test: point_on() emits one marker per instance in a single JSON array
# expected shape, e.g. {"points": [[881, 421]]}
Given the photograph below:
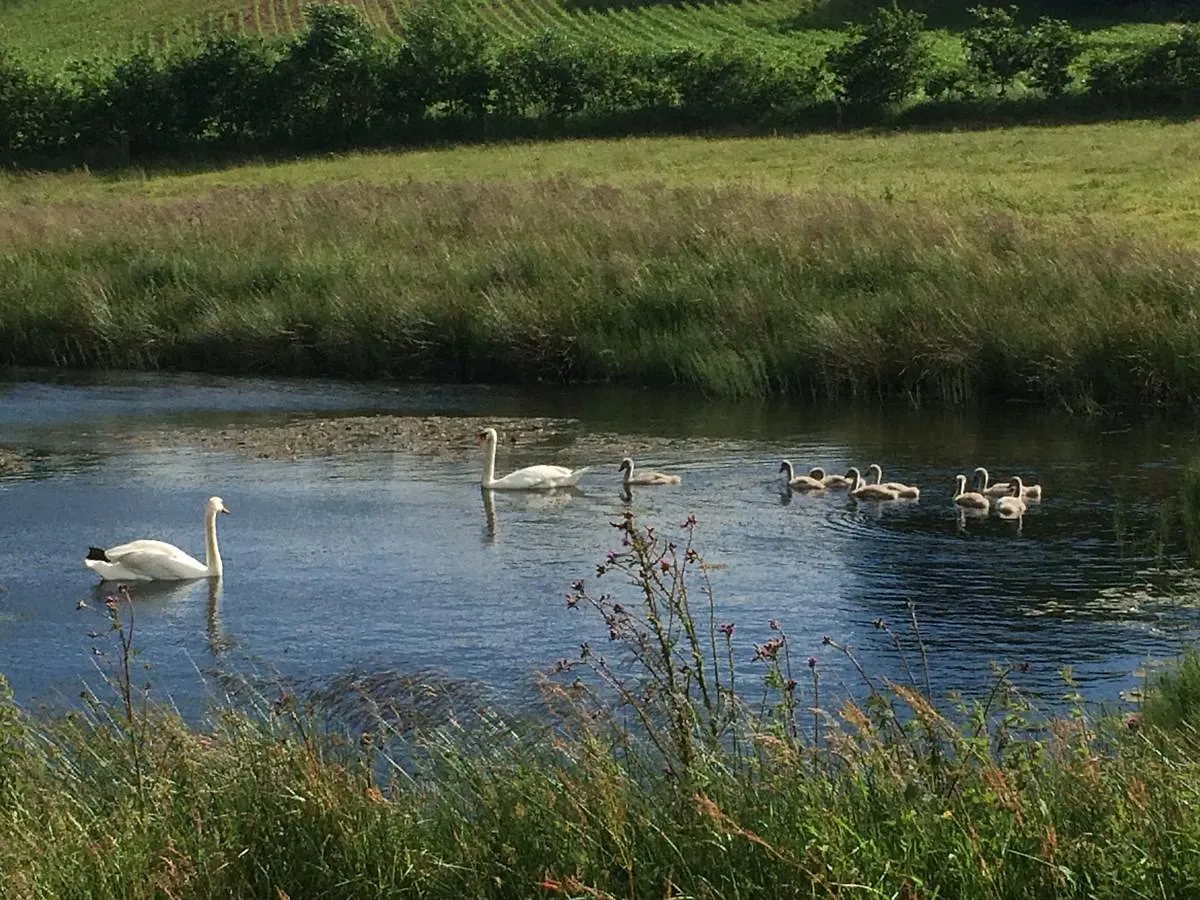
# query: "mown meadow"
{"points": [[657, 765]]}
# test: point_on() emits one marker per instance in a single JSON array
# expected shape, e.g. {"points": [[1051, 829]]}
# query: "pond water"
{"points": [[392, 562]]}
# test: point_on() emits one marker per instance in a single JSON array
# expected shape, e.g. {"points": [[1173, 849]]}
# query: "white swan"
{"points": [[833, 482], [862, 491], [158, 560], [905, 491], [531, 478], [1002, 488], [1012, 506], [969, 499], [644, 478], [799, 482]]}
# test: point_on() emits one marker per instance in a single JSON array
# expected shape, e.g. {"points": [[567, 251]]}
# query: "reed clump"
{"points": [[665, 763], [728, 291]]}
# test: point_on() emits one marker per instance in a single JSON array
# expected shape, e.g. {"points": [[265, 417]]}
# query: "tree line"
{"points": [[341, 84]]}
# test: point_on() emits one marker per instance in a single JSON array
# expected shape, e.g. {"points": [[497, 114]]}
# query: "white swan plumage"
{"points": [[969, 499], [904, 491], [799, 482], [644, 478], [531, 478], [149, 560], [859, 490], [1003, 488], [1012, 506]]}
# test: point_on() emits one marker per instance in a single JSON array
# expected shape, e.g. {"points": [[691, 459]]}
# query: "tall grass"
{"points": [[653, 779], [727, 291]]}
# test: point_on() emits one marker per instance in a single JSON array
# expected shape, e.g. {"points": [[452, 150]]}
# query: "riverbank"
{"points": [[733, 291], [680, 788]]}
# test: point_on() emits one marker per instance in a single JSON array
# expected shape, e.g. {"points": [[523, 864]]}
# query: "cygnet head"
{"points": [[626, 465], [484, 435], [785, 468], [874, 467], [817, 472], [217, 505]]}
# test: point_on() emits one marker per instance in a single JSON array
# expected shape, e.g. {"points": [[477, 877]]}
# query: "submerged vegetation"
{"points": [[729, 291], [662, 765]]}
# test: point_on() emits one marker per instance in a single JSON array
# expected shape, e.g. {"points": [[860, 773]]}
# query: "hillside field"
{"points": [[52, 31], [1129, 177]]}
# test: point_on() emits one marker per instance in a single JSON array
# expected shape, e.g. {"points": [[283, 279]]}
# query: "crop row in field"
{"points": [[103, 26]]}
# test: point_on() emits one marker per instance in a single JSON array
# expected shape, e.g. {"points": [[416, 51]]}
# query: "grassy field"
{"points": [[1130, 177], [1048, 264]]}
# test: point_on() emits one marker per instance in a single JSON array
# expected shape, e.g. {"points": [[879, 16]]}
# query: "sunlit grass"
{"points": [[731, 291], [1132, 176]]}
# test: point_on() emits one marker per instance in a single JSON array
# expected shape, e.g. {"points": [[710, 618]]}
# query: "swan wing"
{"points": [[652, 478], [147, 559], [533, 478]]}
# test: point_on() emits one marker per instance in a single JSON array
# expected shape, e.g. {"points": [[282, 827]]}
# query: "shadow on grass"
{"points": [[820, 118]]}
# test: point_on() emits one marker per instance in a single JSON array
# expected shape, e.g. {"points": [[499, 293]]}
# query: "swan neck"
{"points": [[489, 461], [212, 552]]}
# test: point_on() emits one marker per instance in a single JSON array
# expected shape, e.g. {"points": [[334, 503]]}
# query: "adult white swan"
{"points": [[149, 560], [644, 478], [531, 478]]}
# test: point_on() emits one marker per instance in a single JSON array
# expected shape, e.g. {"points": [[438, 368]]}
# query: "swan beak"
{"points": [[480, 438], [224, 509]]}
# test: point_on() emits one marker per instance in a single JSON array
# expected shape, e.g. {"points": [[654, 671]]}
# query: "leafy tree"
{"points": [[331, 78], [447, 59], [1054, 47], [884, 61], [997, 50]]}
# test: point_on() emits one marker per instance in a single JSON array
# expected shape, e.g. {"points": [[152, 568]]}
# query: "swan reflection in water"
{"points": [[528, 501], [162, 593]]}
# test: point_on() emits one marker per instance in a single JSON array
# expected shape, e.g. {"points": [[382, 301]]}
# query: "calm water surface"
{"points": [[390, 562]]}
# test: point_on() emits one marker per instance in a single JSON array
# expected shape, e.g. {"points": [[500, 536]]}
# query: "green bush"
{"points": [[1172, 699], [1054, 46], [1165, 74], [33, 110], [884, 61], [735, 80], [332, 78], [998, 52], [227, 88], [447, 61]]}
